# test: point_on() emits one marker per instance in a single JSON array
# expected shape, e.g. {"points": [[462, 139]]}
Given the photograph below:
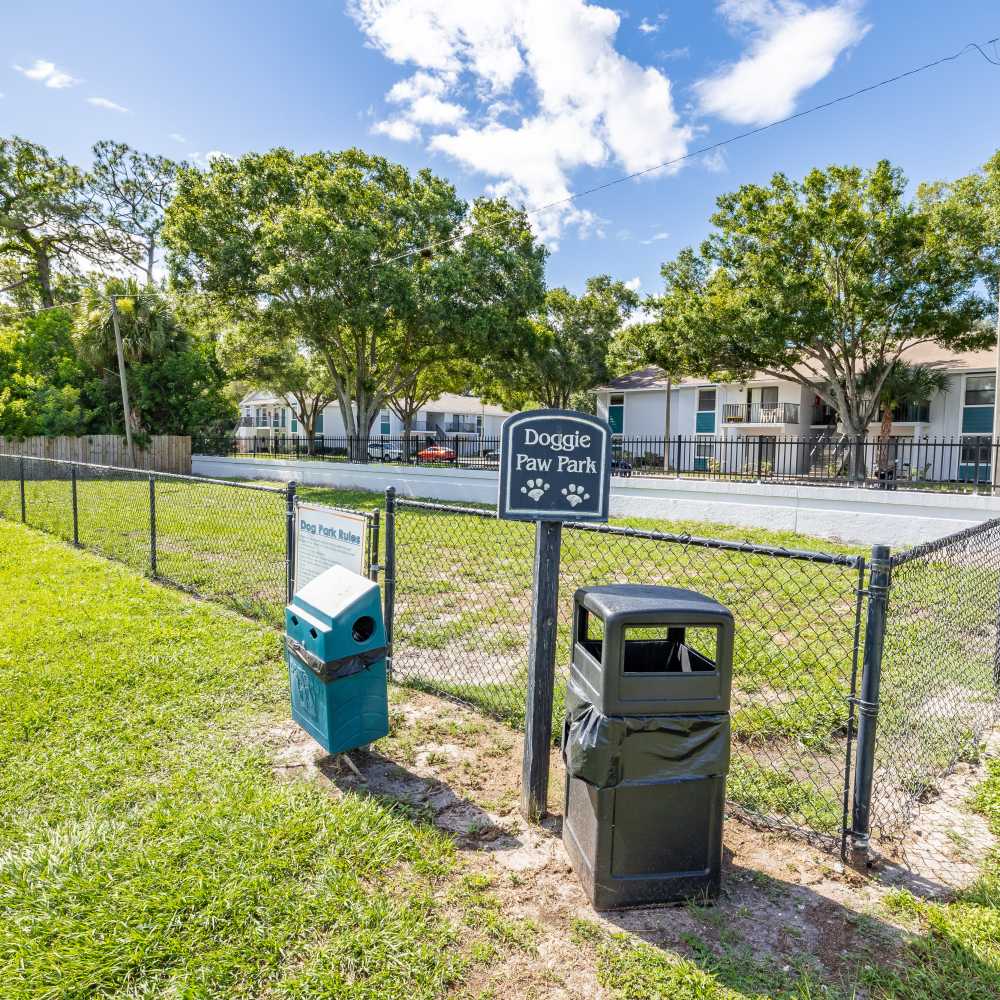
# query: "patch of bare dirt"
{"points": [[782, 899], [946, 843]]}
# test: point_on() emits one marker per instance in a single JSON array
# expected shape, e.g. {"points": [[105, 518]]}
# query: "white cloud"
{"points": [[634, 283], [177, 137], [45, 71], [648, 27], [791, 46], [656, 238], [398, 129], [591, 106], [103, 102]]}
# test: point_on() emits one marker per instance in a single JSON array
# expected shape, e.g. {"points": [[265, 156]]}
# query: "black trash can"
{"points": [[646, 744]]}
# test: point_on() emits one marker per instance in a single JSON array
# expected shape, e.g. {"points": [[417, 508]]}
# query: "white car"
{"points": [[385, 452]]}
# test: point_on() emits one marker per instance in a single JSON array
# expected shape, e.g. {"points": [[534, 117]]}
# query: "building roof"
{"points": [[452, 402], [448, 402], [653, 377], [939, 357]]}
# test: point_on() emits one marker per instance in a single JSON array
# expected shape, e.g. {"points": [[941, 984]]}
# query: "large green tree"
{"points": [[254, 352], [133, 190], [827, 282], [41, 377], [175, 380], [50, 218], [569, 354], [364, 262]]}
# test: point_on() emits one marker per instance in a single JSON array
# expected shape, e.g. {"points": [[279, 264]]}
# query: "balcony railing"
{"points": [[760, 413], [914, 413]]}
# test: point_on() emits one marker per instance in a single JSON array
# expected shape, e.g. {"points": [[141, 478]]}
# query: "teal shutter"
{"points": [[705, 422], [977, 420], [616, 418]]}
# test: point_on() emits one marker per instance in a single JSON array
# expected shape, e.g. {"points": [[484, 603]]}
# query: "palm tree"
{"points": [[905, 385]]}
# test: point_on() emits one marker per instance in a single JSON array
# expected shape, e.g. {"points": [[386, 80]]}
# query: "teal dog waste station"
{"points": [[646, 743], [335, 648]]}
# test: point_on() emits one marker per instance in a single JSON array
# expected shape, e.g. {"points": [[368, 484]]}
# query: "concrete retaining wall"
{"points": [[860, 516]]}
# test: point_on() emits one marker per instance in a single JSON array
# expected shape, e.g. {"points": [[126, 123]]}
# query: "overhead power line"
{"points": [[993, 60]]}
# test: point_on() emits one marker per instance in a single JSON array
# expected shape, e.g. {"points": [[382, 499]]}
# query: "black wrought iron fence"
{"points": [[962, 464], [462, 593]]}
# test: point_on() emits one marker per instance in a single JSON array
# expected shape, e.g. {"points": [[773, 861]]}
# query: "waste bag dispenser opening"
{"points": [[335, 650], [646, 743]]}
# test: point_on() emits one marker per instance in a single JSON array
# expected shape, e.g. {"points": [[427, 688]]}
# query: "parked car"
{"points": [[437, 453], [491, 454], [619, 467], [385, 452]]}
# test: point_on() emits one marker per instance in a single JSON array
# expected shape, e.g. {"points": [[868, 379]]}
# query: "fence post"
{"points": [[389, 572], [290, 541], [373, 563], [541, 670], [879, 581], [24, 506], [152, 525], [76, 515]]}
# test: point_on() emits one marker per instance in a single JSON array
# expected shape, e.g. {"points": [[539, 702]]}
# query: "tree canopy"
{"points": [[570, 350], [822, 281], [332, 246]]}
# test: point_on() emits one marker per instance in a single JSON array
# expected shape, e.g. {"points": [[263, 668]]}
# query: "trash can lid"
{"points": [[647, 602]]}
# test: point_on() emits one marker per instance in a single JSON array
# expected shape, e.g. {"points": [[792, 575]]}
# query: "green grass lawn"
{"points": [[148, 849]]}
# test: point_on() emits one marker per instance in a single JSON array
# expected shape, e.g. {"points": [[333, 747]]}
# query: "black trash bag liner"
{"points": [[605, 750], [329, 670]]}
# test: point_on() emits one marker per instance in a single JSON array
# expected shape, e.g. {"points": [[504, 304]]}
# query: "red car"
{"points": [[437, 453]]}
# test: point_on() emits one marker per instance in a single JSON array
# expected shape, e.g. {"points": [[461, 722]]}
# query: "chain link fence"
{"points": [[938, 697], [462, 597], [228, 542], [901, 726]]}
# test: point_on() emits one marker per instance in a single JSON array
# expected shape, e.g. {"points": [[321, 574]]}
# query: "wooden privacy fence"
{"points": [[165, 452]]}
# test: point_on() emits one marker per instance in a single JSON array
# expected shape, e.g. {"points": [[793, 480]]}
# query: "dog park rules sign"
{"points": [[555, 465], [325, 537]]}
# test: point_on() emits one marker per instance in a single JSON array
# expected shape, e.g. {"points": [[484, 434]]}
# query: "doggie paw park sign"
{"points": [[555, 466]]}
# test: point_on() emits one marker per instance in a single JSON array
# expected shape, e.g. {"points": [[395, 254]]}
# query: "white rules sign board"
{"points": [[325, 537]]}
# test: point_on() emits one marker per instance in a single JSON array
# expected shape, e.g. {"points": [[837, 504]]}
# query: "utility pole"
{"points": [[124, 381], [666, 427]]}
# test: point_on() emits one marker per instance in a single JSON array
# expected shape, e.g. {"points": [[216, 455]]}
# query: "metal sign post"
{"points": [[555, 466]]}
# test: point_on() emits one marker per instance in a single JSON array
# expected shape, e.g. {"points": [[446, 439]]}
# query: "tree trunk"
{"points": [[407, 431], [309, 426], [883, 438], [150, 260], [43, 269]]}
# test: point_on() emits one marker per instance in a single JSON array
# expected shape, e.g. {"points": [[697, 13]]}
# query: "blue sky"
{"points": [[534, 99]]}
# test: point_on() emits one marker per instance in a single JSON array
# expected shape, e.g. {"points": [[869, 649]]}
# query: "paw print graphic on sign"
{"points": [[535, 489], [575, 494]]}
